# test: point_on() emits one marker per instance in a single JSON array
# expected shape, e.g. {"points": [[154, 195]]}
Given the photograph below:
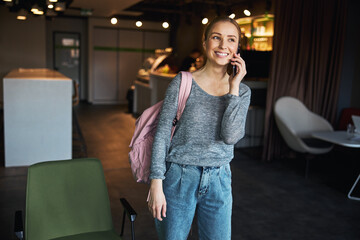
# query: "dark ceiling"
{"points": [[154, 10]]}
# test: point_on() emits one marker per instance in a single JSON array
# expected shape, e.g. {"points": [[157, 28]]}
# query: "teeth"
{"points": [[221, 54]]}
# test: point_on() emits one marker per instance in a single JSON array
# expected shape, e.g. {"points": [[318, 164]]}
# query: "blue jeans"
{"points": [[204, 190]]}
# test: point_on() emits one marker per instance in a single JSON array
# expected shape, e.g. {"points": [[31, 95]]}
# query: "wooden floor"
{"points": [[272, 201]]}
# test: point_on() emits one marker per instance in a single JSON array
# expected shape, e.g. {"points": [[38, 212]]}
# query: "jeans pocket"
{"points": [[168, 168]]}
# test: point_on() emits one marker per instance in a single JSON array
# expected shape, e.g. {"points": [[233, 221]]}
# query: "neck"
{"points": [[216, 73]]}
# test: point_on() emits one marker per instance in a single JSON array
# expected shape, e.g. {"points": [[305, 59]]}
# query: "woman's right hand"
{"points": [[157, 201]]}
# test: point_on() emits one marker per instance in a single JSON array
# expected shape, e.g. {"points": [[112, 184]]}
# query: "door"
{"points": [[67, 54]]}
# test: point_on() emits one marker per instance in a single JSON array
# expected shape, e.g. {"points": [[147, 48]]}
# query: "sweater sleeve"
{"points": [[234, 118], [162, 137]]}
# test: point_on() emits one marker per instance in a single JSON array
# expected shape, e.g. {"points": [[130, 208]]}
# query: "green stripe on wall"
{"points": [[118, 49]]}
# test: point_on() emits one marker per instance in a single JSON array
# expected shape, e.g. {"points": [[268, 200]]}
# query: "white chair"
{"points": [[296, 123]]}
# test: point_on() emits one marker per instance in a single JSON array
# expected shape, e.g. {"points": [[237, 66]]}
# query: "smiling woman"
{"points": [[220, 43], [191, 173]]}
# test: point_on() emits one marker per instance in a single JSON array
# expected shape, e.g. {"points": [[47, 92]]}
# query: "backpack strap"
{"points": [[184, 93], [185, 88]]}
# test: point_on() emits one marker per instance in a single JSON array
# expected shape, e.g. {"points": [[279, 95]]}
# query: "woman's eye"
{"points": [[216, 37], [232, 40]]}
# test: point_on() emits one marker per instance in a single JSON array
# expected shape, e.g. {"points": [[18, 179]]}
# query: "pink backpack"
{"points": [[145, 128]]}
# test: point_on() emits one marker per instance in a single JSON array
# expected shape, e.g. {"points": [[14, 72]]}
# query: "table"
{"points": [[341, 138], [338, 137], [37, 116]]}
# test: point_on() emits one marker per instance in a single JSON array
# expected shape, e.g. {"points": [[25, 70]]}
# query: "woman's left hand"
{"points": [[235, 81]]}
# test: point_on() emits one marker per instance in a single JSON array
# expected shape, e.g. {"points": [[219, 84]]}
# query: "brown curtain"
{"points": [[306, 62]]}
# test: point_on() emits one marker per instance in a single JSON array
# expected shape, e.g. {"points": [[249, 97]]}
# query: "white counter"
{"points": [[150, 90], [37, 116]]}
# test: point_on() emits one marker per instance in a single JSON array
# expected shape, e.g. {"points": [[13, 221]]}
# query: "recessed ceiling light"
{"points": [[138, 23], [247, 12], [205, 21], [113, 21], [165, 25]]}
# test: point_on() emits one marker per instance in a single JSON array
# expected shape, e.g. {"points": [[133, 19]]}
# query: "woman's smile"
{"points": [[222, 43], [221, 54]]}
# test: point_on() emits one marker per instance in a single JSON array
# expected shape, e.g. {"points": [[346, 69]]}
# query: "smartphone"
{"points": [[234, 68]]}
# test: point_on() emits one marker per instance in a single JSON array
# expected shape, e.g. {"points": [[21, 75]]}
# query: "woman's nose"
{"points": [[222, 44]]}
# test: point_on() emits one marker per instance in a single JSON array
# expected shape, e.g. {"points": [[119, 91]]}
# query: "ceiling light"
{"points": [[232, 16], [21, 14], [247, 12], [113, 21], [60, 6], [205, 21], [165, 25], [138, 23], [53, 1], [39, 12], [35, 8], [21, 17], [50, 6], [9, 3]]}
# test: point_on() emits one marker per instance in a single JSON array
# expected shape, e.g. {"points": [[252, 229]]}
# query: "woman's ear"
{"points": [[204, 46]]}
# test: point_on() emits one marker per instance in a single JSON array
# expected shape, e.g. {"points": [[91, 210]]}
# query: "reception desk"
{"points": [[37, 116]]}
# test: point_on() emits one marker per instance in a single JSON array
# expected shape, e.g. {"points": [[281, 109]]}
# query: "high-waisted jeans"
{"points": [[204, 190]]}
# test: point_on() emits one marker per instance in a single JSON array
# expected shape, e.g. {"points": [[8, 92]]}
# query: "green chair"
{"points": [[68, 200]]}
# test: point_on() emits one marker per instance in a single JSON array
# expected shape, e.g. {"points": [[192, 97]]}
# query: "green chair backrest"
{"points": [[66, 197]]}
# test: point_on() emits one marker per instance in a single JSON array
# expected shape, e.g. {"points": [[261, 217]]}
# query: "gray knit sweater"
{"points": [[206, 132]]}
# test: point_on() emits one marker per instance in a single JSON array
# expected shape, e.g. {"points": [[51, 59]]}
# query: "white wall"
{"points": [[121, 26], [22, 43]]}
